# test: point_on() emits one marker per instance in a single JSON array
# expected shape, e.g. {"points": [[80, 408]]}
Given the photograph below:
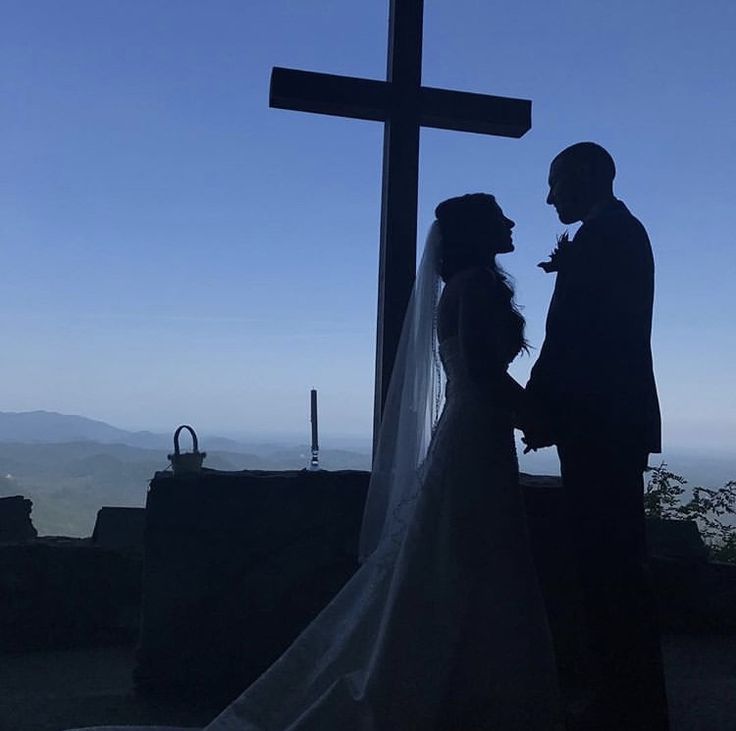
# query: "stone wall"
{"points": [[66, 592], [69, 592], [15, 519], [237, 564]]}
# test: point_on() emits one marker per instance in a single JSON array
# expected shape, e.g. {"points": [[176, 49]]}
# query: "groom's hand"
{"points": [[534, 440]]}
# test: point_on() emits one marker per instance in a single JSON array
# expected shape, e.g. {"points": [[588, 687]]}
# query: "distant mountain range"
{"points": [[70, 466], [51, 427]]}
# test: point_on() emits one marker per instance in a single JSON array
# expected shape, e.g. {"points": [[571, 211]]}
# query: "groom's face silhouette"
{"points": [[567, 191]]}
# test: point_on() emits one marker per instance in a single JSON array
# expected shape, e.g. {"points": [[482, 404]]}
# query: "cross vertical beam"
{"points": [[398, 247]]}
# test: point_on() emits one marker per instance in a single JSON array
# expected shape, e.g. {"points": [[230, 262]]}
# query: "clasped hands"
{"points": [[537, 433]]}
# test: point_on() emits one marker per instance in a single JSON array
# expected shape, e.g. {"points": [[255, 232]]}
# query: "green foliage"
{"points": [[663, 494], [712, 510]]}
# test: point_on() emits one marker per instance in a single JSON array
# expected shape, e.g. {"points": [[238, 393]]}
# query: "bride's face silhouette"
{"points": [[474, 229], [497, 231]]}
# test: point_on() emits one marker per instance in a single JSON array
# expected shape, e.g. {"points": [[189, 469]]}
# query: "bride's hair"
{"points": [[463, 223]]}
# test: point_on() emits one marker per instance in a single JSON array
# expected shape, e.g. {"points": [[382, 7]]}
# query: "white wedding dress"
{"points": [[443, 627]]}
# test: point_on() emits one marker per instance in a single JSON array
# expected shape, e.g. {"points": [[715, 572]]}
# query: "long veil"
{"points": [[413, 405]]}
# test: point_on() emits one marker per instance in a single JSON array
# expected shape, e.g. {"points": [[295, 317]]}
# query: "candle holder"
{"points": [[314, 462]]}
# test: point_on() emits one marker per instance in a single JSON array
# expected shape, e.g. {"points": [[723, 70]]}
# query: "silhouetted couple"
{"points": [[443, 626]]}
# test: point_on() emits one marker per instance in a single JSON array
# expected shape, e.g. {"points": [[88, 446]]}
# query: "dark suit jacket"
{"points": [[593, 379]]}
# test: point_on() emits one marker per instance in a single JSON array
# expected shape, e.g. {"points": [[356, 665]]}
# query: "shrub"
{"points": [[711, 509]]}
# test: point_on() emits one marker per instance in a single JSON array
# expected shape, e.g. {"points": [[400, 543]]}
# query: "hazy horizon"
{"points": [[70, 468], [363, 442]]}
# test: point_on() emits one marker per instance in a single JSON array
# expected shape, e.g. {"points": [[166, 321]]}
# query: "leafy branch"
{"points": [[713, 510]]}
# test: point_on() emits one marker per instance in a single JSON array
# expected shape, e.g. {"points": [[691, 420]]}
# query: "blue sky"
{"points": [[174, 250]]}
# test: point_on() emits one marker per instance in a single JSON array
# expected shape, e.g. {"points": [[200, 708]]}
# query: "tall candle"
{"points": [[315, 441]]}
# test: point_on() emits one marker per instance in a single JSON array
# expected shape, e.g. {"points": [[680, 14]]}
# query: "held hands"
{"points": [[535, 440], [537, 433]]}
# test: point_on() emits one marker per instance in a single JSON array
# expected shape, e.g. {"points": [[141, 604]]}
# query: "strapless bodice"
{"points": [[463, 392], [456, 370]]}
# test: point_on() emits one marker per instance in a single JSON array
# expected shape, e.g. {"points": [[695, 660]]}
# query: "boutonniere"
{"points": [[558, 255]]}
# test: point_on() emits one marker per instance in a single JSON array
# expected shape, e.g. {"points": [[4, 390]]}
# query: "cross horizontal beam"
{"points": [[340, 96], [481, 113], [346, 96]]}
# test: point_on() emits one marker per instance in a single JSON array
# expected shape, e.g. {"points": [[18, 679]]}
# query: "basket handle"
{"points": [[195, 442]]}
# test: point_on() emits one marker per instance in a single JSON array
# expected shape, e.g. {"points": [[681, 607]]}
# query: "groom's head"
{"points": [[580, 177]]}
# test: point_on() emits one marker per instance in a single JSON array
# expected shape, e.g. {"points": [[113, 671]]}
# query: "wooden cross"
{"points": [[404, 106]]}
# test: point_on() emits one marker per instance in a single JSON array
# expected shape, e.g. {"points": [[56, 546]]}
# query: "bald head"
{"points": [[592, 157], [580, 177]]}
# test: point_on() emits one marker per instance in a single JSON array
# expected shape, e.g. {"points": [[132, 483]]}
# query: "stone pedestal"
{"points": [[236, 564]]}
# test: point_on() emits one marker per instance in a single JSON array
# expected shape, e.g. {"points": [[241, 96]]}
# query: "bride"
{"points": [[442, 628]]}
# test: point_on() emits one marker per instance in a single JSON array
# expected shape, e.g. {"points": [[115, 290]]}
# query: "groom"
{"points": [[592, 394]]}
